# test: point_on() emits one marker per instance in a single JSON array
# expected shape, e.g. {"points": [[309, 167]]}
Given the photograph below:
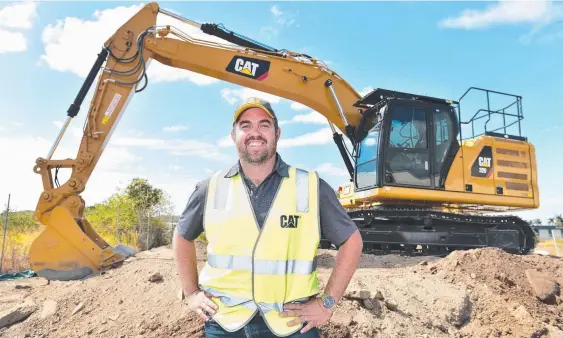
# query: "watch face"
{"points": [[328, 301]]}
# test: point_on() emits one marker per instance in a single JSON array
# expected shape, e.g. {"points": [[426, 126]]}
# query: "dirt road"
{"points": [[477, 293]]}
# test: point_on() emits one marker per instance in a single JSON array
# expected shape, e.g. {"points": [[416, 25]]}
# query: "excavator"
{"points": [[416, 184]]}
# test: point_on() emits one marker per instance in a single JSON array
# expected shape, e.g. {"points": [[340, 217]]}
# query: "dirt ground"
{"points": [[476, 293]]}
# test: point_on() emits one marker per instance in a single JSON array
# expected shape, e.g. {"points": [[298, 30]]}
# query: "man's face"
{"points": [[255, 136]]}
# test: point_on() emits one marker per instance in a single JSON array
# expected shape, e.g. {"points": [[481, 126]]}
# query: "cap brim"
{"points": [[244, 107]]}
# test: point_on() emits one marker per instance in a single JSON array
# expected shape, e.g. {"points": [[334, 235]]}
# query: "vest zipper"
{"points": [[260, 233]]}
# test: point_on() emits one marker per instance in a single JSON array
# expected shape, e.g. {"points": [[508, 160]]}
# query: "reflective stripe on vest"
{"points": [[271, 267], [252, 269], [248, 303]]}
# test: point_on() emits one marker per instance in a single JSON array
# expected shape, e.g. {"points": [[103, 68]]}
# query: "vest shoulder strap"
{"points": [[303, 179]]}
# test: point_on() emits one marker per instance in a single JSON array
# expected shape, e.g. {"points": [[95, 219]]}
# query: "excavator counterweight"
{"points": [[413, 177]]}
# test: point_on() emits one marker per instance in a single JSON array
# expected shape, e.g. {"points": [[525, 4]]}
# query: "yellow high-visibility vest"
{"points": [[250, 269]]}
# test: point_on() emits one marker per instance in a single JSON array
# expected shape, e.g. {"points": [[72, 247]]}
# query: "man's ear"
{"points": [[233, 136], [278, 134]]}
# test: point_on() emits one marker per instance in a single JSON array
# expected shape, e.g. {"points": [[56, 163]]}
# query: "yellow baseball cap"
{"points": [[254, 102]]}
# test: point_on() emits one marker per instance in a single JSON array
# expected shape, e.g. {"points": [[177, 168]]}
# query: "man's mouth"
{"points": [[254, 144]]}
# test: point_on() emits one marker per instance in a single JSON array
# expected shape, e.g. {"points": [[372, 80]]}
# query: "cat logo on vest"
{"points": [[289, 221]]}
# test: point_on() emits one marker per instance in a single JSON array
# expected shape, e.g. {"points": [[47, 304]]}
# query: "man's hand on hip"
{"points": [[312, 312], [201, 303]]}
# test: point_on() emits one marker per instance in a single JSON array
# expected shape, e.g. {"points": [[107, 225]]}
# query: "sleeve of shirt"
{"points": [[336, 225], [190, 224]]}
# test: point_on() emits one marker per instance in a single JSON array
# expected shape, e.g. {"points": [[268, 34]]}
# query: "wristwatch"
{"points": [[328, 301]]}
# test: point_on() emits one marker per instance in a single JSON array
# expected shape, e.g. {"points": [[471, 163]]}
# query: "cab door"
{"points": [[408, 160], [444, 142]]}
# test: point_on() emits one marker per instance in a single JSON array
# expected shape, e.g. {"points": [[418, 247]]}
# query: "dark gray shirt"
{"points": [[336, 225]]}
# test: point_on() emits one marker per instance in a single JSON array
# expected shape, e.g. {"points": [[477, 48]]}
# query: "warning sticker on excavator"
{"points": [[111, 108]]}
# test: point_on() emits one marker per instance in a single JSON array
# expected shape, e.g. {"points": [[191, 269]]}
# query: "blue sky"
{"points": [[173, 133]]}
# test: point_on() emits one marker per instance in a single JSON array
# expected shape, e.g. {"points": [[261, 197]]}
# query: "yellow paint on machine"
{"points": [[512, 183]]}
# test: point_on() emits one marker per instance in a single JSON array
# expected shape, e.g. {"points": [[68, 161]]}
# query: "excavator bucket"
{"points": [[67, 250]]}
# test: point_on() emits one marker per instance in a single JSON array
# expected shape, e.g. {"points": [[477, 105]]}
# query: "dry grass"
{"points": [[16, 251]]}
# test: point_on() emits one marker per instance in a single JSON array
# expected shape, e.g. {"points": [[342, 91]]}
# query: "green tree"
{"points": [[134, 216], [535, 222], [149, 203], [115, 219], [143, 195], [556, 220]]}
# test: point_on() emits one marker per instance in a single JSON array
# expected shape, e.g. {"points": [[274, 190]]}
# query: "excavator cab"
{"points": [[415, 176], [404, 140]]}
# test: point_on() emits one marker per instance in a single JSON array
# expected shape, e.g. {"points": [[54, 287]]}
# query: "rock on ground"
{"points": [[476, 293]]}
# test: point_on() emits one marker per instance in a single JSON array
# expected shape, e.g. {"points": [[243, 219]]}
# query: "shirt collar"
{"points": [[280, 167]]}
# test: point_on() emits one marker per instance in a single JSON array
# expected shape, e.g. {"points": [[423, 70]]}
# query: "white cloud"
{"points": [[312, 117], [330, 169], [175, 128], [298, 106], [319, 137], [158, 72], [12, 42], [178, 147], [226, 141], [280, 19], [71, 44], [18, 178], [18, 15], [116, 166], [269, 31], [74, 131], [365, 91], [234, 96], [505, 12], [230, 95], [276, 11], [178, 186]]}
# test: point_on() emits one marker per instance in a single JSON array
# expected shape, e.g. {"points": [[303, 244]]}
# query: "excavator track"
{"points": [[412, 231]]}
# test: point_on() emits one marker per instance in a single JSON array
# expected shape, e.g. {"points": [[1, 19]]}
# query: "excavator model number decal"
{"points": [[483, 165], [253, 68]]}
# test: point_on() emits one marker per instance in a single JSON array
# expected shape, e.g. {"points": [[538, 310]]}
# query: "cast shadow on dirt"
{"points": [[371, 261]]}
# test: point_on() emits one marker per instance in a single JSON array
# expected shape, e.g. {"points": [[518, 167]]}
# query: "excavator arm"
{"points": [[69, 248]]}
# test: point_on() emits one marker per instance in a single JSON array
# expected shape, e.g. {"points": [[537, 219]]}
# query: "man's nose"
{"points": [[255, 130]]}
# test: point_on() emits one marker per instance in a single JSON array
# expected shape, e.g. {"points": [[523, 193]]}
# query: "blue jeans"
{"points": [[256, 328]]}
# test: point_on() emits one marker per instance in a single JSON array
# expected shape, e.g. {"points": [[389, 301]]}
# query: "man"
{"points": [[263, 220]]}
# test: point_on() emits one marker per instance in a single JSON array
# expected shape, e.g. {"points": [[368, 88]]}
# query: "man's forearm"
{"points": [[347, 260], [186, 262]]}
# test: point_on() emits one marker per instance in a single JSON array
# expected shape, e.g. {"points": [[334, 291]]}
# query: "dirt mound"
{"points": [[505, 291], [478, 293]]}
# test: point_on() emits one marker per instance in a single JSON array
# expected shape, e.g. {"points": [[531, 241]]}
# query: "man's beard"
{"points": [[262, 156]]}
